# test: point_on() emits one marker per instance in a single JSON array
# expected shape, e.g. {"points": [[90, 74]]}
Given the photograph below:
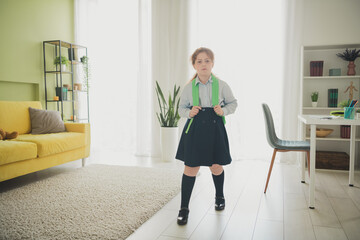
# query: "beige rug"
{"points": [[95, 202]]}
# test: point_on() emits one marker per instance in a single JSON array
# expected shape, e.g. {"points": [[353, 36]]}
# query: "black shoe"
{"points": [[183, 216], [219, 203]]}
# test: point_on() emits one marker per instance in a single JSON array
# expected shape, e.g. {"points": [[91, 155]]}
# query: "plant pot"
{"points": [[169, 143], [78, 86], [314, 104], [351, 69], [63, 67]]}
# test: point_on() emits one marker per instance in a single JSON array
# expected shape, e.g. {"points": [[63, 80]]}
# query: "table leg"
{"points": [[312, 165], [302, 155], [302, 168], [352, 155]]}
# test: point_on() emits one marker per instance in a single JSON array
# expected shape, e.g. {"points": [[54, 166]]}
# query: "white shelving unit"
{"points": [[321, 84]]}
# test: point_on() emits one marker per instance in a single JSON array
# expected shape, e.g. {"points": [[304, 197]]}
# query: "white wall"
{"points": [[331, 22]]}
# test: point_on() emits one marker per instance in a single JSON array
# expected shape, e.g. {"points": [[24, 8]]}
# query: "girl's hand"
{"points": [[218, 110], [194, 111]]}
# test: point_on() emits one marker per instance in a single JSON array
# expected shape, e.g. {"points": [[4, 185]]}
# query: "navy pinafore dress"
{"points": [[205, 142]]}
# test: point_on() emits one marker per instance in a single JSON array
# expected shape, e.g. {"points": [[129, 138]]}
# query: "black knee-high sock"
{"points": [[219, 184], [187, 185]]}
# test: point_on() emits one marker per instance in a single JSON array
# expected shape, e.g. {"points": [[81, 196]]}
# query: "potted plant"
{"points": [[86, 66], [314, 98], [350, 56], [168, 118], [63, 61]]}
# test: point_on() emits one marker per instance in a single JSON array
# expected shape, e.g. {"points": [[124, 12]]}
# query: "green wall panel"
{"points": [[17, 91], [24, 25]]}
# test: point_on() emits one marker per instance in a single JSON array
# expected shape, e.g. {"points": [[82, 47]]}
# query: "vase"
{"points": [[314, 104], [169, 143], [63, 67], [351, 69], [78, 86]]}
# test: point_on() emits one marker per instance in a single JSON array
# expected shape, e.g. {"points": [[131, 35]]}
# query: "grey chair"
{"points": [[281, 145]]}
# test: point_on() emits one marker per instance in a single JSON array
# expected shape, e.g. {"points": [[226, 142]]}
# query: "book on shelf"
{"points": [[332, 97], [316, 68]]}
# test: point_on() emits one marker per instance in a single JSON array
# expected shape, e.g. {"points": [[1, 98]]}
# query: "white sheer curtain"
{"points": [[247, 38], [135, 43], [164, 54], [109, 29], [291, 81]]}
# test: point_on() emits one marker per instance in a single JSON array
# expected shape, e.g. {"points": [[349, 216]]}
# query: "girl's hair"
{"points": [[200, 50], [196, 53]]}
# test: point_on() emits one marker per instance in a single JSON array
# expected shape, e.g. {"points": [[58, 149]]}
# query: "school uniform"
{"points": [[205, 141]]}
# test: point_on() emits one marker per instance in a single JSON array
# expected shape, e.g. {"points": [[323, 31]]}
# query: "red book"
{"points": [[321, 68], [312, 68]]}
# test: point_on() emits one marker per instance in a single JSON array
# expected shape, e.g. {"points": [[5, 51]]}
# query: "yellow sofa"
{"points": [[30, 153]]}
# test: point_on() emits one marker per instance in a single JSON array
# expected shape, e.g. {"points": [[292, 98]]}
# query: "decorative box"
{"points": [[332, 160], [335, 72]]}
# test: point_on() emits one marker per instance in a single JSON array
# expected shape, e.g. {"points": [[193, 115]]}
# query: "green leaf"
{"points": [[168, 116]]}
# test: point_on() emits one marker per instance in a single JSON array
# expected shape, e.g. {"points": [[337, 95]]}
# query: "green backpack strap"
{"points": [[215, 93], [214, 98], [195, 95]]}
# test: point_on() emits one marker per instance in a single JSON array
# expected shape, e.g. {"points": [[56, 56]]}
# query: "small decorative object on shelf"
{"points": [[344, 103], [67, 86], [77, 86], [316, 68], [350, 56], [61, 92], [314, 98], [64, 62], [335, 72], [86, 67], [350, 89], [349, 112], [72, 52], [323, 132], [332, 97]]}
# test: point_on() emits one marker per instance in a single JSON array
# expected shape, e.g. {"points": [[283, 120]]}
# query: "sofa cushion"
{"points": [[45, 121], [52, 143], [15, 115], [13, 151]]}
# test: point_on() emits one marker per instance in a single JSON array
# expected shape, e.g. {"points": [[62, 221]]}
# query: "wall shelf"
{"points": [[331, 77], [54, 78], [321, 84]]}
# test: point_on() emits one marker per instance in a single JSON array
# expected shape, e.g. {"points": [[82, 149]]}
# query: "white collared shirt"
{"points": [[227, 101]]}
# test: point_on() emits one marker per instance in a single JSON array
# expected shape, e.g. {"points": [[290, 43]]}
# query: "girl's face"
{"points": [[203, 64]]}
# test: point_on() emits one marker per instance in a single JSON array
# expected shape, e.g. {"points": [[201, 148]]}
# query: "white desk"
{"points": [[314, 120]]}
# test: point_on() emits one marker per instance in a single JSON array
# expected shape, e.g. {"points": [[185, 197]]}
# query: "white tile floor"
{"points": [[281, 213]]}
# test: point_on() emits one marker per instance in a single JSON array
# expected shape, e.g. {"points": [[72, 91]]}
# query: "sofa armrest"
{"points": [[78, 127], [81, 128]]}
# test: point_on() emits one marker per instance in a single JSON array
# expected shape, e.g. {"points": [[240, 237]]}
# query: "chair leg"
{"points": [[270, 169], [308, 161], [303, 170]]}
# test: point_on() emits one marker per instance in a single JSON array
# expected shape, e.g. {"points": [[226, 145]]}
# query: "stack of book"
{"points": [[316, 68], [332, 97]]}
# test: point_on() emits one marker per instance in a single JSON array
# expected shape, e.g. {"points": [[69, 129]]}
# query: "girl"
{"points": [[205, 101]]}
